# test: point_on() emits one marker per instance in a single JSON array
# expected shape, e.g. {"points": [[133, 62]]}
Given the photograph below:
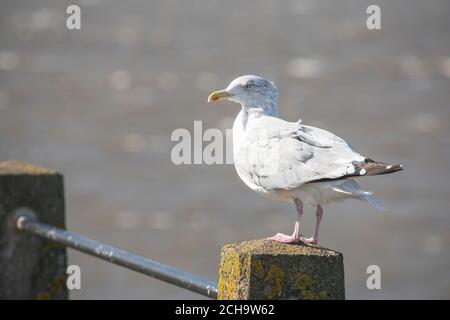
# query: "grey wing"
{"points": [[295, 155]]}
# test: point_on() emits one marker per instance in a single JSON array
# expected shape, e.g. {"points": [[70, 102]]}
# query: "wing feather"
{"points": [[283, 155]]}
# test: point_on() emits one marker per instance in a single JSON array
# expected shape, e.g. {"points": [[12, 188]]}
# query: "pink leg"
{"points": [[295, 237], [315, 237]]}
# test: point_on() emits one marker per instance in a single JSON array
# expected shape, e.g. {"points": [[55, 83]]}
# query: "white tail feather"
{"points": [[352, 188], [374, 201]]}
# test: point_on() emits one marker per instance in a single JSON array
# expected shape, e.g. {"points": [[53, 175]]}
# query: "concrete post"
{"points": [[264, 269], [31, 267]]}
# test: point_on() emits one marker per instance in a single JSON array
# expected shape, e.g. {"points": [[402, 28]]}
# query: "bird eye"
{"points": [[249, 85]]}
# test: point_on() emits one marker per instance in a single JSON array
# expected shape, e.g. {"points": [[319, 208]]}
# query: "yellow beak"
{"points": [[217, 95]]}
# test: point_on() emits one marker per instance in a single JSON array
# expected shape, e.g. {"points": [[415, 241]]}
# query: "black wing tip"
{"points": [[374, 168], [391, 169], [395, 167]]}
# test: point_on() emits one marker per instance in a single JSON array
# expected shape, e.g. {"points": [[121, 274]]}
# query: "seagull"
{"points": [[290, 161]]}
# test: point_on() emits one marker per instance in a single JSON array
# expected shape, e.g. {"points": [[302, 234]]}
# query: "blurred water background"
{"points": [[100, 104]]}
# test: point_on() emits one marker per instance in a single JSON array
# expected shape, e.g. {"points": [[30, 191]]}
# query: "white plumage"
{"points": [[291, 161]]}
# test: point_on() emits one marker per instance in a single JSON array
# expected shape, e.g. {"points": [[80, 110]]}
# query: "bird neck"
{"points": [[253, 113], [268, 108]]}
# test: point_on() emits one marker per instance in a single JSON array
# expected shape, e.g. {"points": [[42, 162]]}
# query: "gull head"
{"points": [[251, 92]]}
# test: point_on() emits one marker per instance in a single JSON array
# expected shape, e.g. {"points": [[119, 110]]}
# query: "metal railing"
{"points": [[26, 221]]}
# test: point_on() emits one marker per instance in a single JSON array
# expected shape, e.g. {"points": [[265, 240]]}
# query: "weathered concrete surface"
{"points": [[263, 269], [30, 267]]}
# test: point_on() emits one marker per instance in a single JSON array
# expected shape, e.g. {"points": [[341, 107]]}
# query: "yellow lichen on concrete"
{"points": [[44, 296], [258, 266], [228, 275], [303, 280], [53, 288], [263, 269], [18, 167], [305, 284], [275, 278], [265, 246]]}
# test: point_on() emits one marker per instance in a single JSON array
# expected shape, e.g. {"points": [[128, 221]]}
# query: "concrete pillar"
{"points": [[31, 267], [263, 269]]}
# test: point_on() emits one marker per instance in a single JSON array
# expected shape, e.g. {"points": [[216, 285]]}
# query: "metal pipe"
{"points": [[26, 221]]}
